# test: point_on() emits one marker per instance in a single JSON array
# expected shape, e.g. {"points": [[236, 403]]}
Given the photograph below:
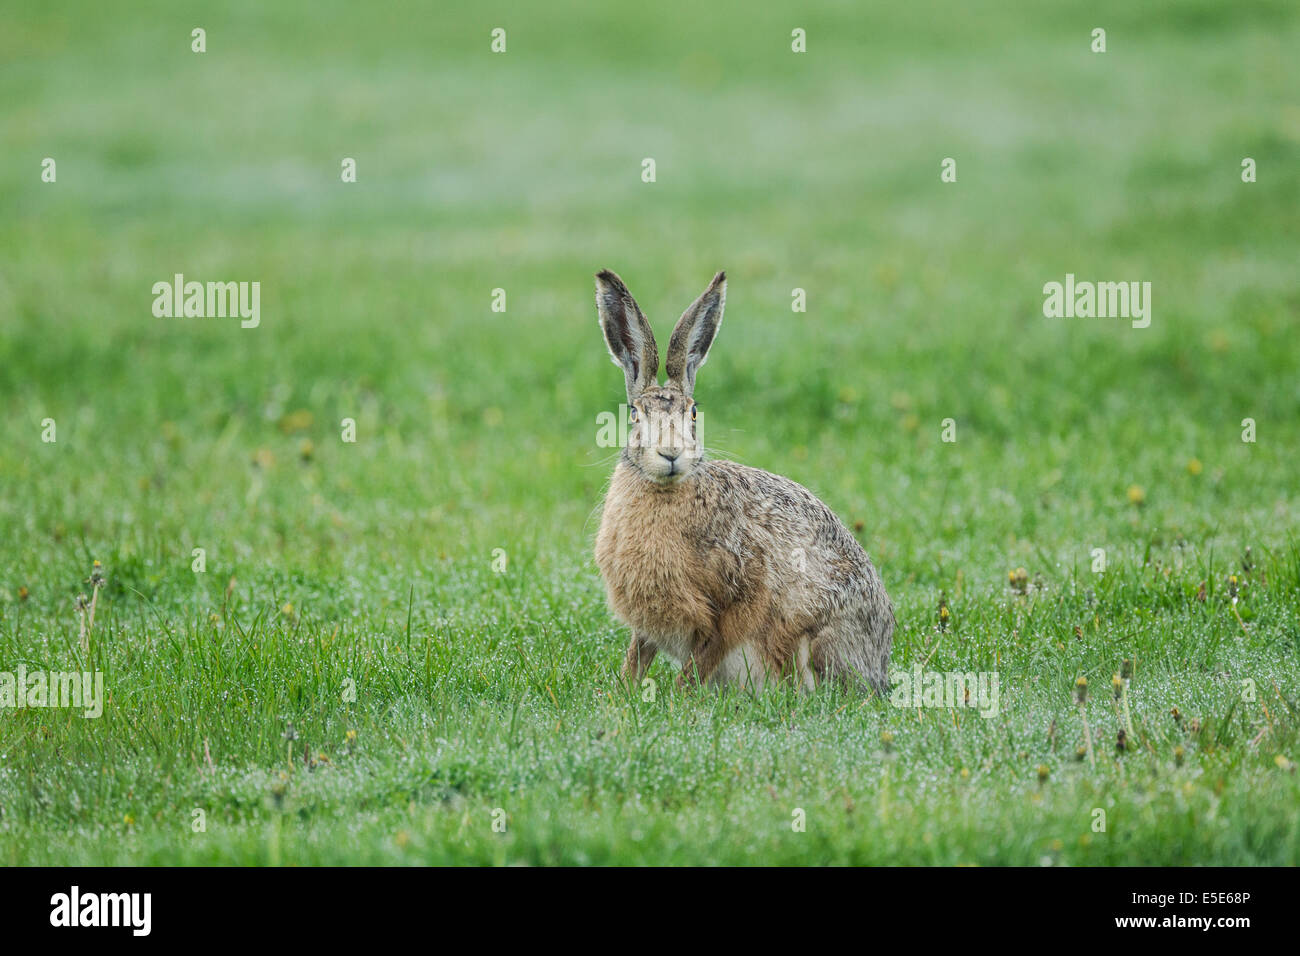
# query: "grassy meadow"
{"points": [[354, 678]]}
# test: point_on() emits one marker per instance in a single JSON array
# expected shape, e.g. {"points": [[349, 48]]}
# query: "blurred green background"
{"points": [[477, 430]]}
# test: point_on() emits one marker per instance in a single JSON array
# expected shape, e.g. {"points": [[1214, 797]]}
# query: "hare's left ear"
{"points": [[693, 334]]}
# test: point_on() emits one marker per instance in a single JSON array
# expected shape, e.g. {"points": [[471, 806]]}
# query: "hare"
{"points": [[738, 575]]}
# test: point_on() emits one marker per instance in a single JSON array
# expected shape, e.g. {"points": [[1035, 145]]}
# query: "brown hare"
{"points": [[738, 575]]}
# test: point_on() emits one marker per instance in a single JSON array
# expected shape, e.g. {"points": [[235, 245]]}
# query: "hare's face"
{"points": [[663, 442]]}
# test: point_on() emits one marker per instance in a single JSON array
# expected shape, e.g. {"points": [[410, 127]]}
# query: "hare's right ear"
{"points": [[627, 333]]}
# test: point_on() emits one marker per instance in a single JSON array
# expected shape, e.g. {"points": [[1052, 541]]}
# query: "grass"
{"points": [[351, 681]]}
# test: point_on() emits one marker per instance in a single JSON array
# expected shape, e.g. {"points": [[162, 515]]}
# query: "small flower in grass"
{"points": [[1194, 467], [1284, 763], [887, 740], [1081, 698], [1043, 773], [82, 606], [1174, 713], [96, 580], [1136, 496], [287, 611], [1232, 587], [22, 594], [1018, 580], [1179, 753], [943, 612], [1080, 753], [1119, 684], [128, 820]]}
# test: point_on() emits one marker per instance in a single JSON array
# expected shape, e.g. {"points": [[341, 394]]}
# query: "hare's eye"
{"points": [[632, 414], [694, 408]]}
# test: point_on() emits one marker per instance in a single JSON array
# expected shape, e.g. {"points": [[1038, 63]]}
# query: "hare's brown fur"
{"points": [[739, 575]]}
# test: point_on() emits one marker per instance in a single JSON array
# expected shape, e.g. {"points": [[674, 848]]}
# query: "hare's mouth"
{"points": [[669, 470], [672, 476]]}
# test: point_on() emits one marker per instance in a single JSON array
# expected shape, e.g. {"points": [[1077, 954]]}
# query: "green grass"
{"points": [[477, 430]]}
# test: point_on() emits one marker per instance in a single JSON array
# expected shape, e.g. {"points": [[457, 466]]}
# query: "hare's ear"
{"points": [[627, 333], [693, 334]]}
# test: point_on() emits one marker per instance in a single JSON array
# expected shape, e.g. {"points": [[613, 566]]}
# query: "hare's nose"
{"points": [[670, 455]]}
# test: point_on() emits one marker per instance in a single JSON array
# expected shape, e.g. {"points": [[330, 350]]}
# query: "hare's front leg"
{"points": [[704, 660], [639, 655]]}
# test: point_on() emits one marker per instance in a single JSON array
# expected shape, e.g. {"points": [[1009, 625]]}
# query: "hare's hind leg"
{"points": [[847, 652]]}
